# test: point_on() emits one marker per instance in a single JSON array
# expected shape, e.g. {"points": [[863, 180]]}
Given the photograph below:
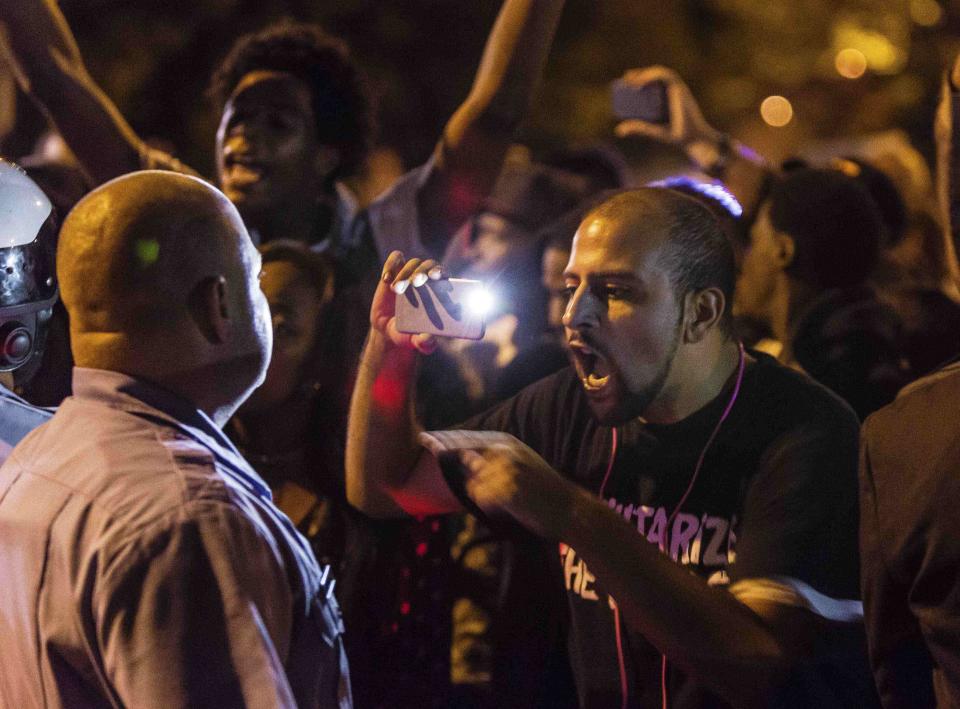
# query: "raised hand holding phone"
{"points": [[655, 102], [398, 275], [415, 303]]}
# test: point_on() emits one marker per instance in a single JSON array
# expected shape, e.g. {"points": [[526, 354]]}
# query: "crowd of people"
{"points": [[702, 456]]}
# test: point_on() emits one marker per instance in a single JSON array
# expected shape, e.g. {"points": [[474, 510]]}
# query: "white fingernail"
{"points": [[435, 273], [419, 280], [400, 286]]}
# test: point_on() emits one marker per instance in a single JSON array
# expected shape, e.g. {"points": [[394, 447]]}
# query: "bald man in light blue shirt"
{"points": [[144, 562]]}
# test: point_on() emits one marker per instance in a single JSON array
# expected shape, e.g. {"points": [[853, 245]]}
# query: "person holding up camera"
{"points": [[703, 497]]}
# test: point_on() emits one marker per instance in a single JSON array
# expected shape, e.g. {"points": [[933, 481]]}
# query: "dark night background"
{"points": [[154, 59]]}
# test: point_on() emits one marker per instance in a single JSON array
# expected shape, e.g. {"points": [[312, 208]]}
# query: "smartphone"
{"points": [[646, 102], [450, 307]]}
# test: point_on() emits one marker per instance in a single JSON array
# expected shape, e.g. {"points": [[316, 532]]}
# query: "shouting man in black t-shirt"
{"points": [[703, 498]]}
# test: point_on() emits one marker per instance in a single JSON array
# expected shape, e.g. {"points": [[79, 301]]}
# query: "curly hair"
{"points": [[342, 105]]}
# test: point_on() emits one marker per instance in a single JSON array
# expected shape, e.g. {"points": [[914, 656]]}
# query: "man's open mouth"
{"points": [[243, 169], [593, 368]]}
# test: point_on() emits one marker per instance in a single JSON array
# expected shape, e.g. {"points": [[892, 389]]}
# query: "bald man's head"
{"points": [[132, 249], [156, 265], [692, 246]]}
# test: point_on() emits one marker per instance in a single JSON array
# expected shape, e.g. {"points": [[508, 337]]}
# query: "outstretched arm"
{"points": [[471, 152], [49, 68], [770, 633], [707, 631], [387, 471]]}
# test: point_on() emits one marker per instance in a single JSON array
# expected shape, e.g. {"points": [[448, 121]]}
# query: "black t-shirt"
{"points": [[776, 497]]}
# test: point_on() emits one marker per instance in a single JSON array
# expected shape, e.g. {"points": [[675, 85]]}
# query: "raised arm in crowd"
{"points": [[467, 160], [740, 168]]}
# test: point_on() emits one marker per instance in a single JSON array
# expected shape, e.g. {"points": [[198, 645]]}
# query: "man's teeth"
{"points": [[595, 382], [596, 371]]}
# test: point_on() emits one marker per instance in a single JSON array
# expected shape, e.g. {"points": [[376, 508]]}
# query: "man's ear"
{"points": [[703, 309], [326, 160], [786, 249], [210, 309]]}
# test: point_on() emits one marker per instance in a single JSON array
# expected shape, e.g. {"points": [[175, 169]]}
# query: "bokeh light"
{"points": [[885, 51], [926, 13], [776, 111], [851, 63]]}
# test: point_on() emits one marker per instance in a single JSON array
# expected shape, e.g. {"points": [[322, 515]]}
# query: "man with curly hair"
{"points": [[296, 120]]}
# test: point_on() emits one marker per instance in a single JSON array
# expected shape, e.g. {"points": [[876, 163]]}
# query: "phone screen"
{"points": [[647, 102]]}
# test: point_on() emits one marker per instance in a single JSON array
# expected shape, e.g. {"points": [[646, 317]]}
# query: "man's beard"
{"points": [[635, 404]]}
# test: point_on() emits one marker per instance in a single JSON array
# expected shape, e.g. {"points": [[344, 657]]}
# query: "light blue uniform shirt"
{"points": [[144, 564], [17, 418]]}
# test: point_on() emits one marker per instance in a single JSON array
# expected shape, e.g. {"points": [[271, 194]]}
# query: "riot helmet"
{"points": [[28, 280]]}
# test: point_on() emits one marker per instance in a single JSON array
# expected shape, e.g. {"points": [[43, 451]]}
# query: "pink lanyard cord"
{"points": [[693, 479], [703, 454]]}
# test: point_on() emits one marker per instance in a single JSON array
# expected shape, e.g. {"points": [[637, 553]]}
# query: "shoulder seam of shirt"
{"points": [[174, 469], [829, 407], [163, 516], [176, 466]]}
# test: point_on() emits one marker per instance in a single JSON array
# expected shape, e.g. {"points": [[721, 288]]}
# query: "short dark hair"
{"points": [[341, 102], [700, 255], [834, 223], [697, 254]]}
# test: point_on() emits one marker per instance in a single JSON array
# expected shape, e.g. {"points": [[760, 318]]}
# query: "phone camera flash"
{"points": [[480, 301]]}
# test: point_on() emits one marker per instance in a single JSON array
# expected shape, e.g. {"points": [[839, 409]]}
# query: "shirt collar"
{"points": [[6, 393], [162, 407], [347, 205], [339, 235]]}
